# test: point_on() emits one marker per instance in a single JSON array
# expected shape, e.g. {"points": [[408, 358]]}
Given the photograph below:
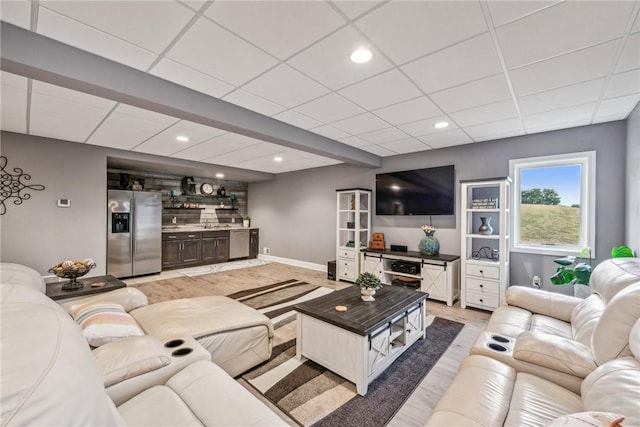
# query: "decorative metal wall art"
{"points": [[13, 185]]}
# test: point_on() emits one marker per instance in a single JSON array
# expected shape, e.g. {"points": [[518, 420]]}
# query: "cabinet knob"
{"points": [[482, 286], [480, 299], [481, 272]]}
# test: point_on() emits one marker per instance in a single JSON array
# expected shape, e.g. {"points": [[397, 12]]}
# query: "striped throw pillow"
{"points": [[105, 322]]}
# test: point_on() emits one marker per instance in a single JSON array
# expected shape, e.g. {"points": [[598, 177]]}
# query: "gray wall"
{"points": [[633, 180], [296, 211], [37, 232]]}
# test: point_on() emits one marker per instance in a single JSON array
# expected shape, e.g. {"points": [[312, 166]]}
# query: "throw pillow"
{"points": [[588, 419], [105, 322]]}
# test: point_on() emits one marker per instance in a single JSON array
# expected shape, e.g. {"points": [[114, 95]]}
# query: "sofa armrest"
{"points": [[538, 301], [129, 298], [554, 352]]}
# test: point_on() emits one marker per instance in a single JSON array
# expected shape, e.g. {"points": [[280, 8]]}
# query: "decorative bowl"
{"points": [[72, 270]]}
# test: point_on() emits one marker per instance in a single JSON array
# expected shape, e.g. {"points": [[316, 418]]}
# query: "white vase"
{"points": [[581, 291], [367, 294], [245, 223]]}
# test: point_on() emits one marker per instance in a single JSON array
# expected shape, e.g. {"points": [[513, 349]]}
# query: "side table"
{"points": [[55, 292]]}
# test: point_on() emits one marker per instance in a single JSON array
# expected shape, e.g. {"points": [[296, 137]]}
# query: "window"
{"points": [[554, 203]]}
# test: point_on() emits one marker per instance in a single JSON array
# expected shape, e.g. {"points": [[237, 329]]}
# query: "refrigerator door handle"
{"points": [[133, 227]]}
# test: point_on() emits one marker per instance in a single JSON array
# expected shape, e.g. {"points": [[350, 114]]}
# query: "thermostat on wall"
{"points": [[64, 203]]}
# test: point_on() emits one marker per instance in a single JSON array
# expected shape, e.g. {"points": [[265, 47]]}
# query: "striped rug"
{"points": [[313, 395]]}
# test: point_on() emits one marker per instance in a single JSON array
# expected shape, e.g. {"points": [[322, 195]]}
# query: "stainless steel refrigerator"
{"points": [[134, 233]]}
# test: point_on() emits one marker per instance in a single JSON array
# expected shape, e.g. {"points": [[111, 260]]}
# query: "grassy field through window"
{"points": [[549, 224]]}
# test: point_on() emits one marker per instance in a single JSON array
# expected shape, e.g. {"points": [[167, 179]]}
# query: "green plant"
{"points": [[580, 273], [246, 217], [368, 281], [622, 252]]}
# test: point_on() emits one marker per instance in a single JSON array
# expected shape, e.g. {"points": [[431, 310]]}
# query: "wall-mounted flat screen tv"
{"points": [[429, 191]]}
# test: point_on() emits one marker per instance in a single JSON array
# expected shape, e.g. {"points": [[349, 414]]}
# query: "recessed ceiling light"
{"points": [[277, 159], [219, 175], [395, 187], [441, 125], [361, 55], [182, 138]]}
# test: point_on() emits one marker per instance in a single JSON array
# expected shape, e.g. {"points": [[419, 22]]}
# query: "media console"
{"points": [[437, 275]]}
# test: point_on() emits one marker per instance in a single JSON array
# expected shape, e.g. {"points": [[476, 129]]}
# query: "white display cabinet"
{"points": [[353, 231]]}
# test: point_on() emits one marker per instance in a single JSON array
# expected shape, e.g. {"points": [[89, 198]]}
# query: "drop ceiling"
{"points": [[491, 69]]}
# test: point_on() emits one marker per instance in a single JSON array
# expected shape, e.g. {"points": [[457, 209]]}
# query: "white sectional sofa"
{"points": [[50, 376]]}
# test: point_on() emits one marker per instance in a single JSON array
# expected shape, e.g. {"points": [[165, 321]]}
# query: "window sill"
{"points": [[551, 250]]}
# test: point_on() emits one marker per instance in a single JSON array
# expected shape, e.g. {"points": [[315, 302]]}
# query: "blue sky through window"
{"points": [[564, 179]]}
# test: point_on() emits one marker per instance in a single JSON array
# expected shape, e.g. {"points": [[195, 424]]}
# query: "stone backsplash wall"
{"points": [[210, 209]]}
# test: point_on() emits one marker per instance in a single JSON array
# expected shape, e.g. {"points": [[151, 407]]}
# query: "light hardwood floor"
{"points": [[417, 409]]}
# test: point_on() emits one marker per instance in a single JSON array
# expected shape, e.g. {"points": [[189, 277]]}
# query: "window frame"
{"points": [[587, 236]]}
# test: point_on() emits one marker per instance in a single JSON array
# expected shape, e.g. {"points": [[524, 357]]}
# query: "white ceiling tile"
{"points": [[485, 113], [354, 141], [286, 86], [355, 8], [13, 109], [330, 132], [379, 150], [149, 24], [630, 58], [506, 11], [384, 135], [366, 122], [495, 130], [73, 33], [297, 119], [208, 48], [165, 143], [403, 146], [254, 151], [573, 116], [469, 95], [562, 28], [194, 4], [330, 108], [612, 107], [16, 12], [636, 24], [13, 80], [128, 126], [382, 90], [253, 102], [464, 62], [426, 126], [548, 127], [405, 30], [272, 24], [409, 111], [556, 99], [623, 84], [328, 60], [446, 139], [60, 113], [205, 150], [187, 77], [579, 66]]}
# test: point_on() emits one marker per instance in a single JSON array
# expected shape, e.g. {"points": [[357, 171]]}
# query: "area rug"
{"points": [[314, 396]]}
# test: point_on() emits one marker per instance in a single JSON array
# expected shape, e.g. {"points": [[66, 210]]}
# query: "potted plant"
{"points": [[578, 276], [246, 221], [368, 284]]}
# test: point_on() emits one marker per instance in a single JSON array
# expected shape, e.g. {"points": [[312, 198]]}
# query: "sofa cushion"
{"points": [[584, 318], [104, 323], [611, 276], [587, 419], [550, 325], [611, 335], [509, 321], [21, 275]]}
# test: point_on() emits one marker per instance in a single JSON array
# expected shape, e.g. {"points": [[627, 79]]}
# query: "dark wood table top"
{"points": [[412, 254], [55, 292], [361, 317]]}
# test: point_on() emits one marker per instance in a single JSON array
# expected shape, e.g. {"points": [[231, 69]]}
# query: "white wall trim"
{"points": [[294, 262]]}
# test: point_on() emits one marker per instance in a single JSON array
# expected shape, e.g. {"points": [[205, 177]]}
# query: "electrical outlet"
{"points": [[266, 251], [536, 282]]}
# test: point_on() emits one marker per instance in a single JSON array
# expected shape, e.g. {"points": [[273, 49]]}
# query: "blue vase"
{"points": [[429, 245]]}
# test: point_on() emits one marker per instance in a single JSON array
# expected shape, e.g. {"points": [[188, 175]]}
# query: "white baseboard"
{"points": [[294, 262]]}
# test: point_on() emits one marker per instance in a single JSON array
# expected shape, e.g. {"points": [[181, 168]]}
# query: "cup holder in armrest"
{"points": [[182, 352], [494, 346], [174, 343], [500, 338]]}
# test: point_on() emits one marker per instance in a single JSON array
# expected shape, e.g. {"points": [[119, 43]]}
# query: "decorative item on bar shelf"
{"points": [[485, 252], [429, 245], [72, 270], [489, 203], [246, 221], [368, 284], [485, 228]]}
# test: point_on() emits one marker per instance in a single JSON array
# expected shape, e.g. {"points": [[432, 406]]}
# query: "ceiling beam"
{"points": [[32, 55]]}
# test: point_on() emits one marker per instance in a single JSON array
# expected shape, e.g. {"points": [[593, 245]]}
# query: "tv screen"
{"points": [[428, 191]]}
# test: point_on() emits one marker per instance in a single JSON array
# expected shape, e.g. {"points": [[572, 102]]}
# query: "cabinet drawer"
{"points": [[480, 286], [489, 272], [487, 301], [347, 253], [182, 236]]}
